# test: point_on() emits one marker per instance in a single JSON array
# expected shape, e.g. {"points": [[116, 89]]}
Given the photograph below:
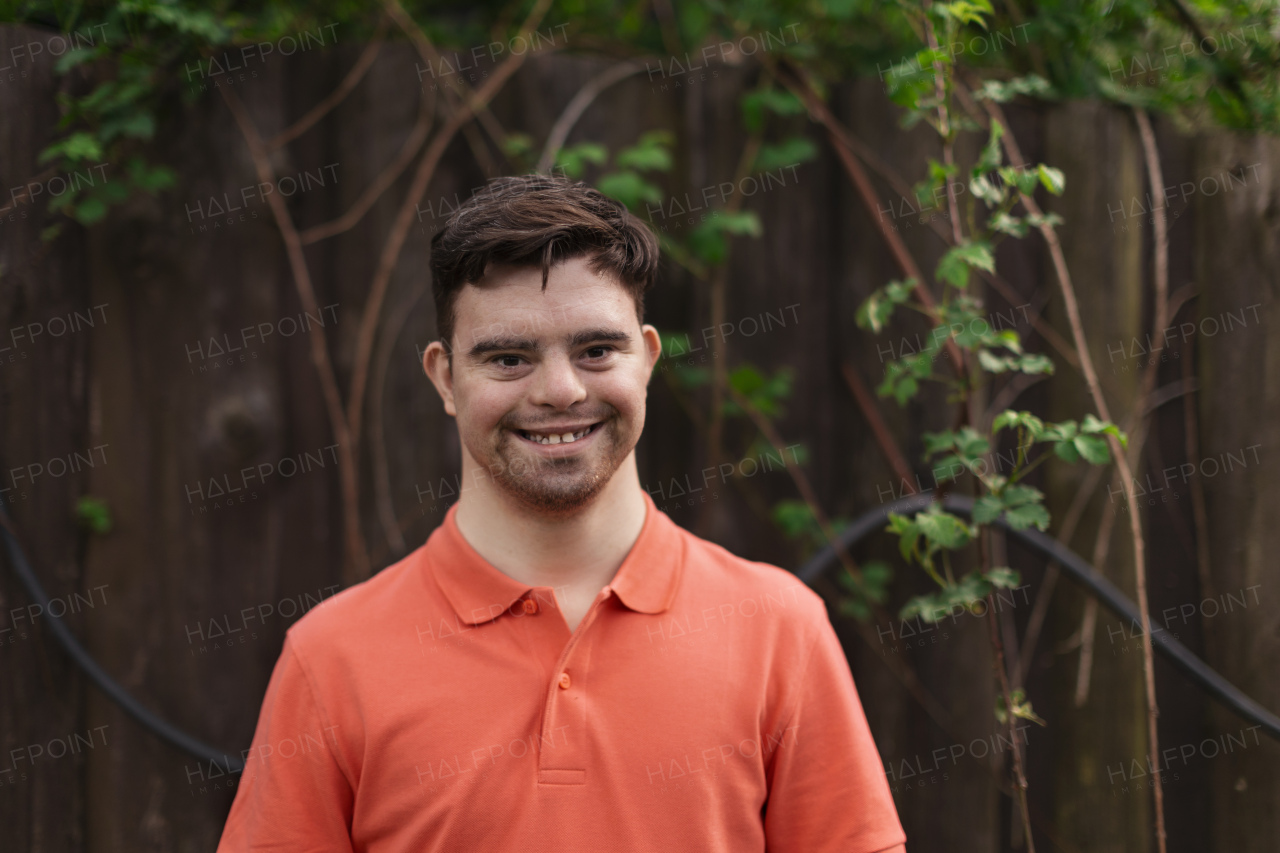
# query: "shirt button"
{"points": [[530, 606], [564, 681]]}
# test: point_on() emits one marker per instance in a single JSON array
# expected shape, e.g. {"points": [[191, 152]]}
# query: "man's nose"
{"points": [[556, 383]]}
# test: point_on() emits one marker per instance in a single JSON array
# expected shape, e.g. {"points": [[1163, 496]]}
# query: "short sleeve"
{"points": [[827, 788], [293, 794]]}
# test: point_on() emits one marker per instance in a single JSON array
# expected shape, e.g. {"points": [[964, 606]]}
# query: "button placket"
{"points": [[562, 756]]}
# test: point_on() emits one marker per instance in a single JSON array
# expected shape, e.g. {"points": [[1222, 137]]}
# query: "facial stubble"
{"points": [[559, 486]]}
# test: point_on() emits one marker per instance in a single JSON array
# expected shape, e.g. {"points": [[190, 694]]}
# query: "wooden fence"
{"points": [[126, 374]]}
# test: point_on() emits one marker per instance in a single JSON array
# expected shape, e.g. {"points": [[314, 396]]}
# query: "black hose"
{"points": [[96, 673], [1177, 654], [1199, 672]]}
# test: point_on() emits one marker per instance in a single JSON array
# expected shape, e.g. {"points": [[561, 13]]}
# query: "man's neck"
{"points": [[579, 554]]}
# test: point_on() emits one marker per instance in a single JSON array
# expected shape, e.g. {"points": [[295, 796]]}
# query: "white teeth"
{"points": [[565, 438]]}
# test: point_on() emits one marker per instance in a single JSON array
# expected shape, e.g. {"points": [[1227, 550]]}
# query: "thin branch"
{"points": [[20, 196], [944, 127], [1003, 287], [1122, 462], [908, 677], [1002, 674], [357, 567], [422, 177], [884, 438], [1199, 510], [719, 308], [387, 177], [320, 110], [377, 435], [819, 111], [1088, 625], [577, 106]]}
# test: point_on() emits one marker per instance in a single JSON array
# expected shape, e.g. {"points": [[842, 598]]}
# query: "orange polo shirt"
{"points": [[702, 704]]}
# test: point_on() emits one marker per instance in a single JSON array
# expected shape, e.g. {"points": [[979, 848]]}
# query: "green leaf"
{"points": [[874, 313], [1003, 578], [1020, 495], [574, 159], [1091, 425], [789, 152], [987, 509], [1007, 90], [1035, 363], [937, 442], [1067, 452], [649, 154], [1026, 420], [743, 223], [94, 515], [992, 152], [872, 588], [1052, 178], [955, 264], [1021, 708], [905, 390], [990, 193], [1035, 220], [1007, 224], [971, 444], [994, 363], [1022, 517], [517, 145], [908, 533], [1025, 179], [943, 529], [764, 393], [1092, 448], [754, 104], [76, 147], [90, 211], [629, 188]]}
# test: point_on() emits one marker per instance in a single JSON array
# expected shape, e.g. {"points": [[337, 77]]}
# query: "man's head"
{"points": [[539, 287]]}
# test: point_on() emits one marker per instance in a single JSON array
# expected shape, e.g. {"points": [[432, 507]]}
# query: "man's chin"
{"points": [[556, 501]]}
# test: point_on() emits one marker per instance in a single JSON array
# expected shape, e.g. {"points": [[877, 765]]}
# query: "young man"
{"points": [[560, 667]]}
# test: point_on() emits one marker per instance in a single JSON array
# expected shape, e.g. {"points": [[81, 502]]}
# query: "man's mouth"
{"points": [[567, 435]]}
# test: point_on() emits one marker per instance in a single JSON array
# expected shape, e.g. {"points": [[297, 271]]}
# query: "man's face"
{"points": [[548, 388]]}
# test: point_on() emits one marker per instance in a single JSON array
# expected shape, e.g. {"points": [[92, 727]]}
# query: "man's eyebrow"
{"points": [[488, 345], [587, 336], [485, 346]]}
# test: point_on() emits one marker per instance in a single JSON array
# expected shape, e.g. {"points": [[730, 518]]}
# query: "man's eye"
{"points": [[599, 352], [501, 360]]}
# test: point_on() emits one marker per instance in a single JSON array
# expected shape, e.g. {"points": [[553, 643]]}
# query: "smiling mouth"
{"points": [[558, 438]]}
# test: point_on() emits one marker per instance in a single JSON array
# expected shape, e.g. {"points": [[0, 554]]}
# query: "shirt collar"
{"points": [[646, 581]]}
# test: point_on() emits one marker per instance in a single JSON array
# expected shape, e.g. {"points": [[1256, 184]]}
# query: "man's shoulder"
{"points": [[374, 606], [713, 572]]}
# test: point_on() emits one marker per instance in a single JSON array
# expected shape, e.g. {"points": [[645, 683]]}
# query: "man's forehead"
{"points": [[524, 326]]}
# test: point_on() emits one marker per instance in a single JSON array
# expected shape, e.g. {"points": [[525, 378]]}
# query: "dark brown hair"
{"points": [[538, 220]]}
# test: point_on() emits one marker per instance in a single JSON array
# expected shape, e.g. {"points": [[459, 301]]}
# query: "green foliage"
{"points": [[573, 160], [764, 393], [93, 515], [709, 241], [789, 152], [1021, 708], [874, 314], [862, 595], [983, 217], [955, 597], [796, 520], [755, 104]]}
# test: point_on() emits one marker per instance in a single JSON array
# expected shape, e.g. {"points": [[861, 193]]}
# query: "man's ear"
{"points": [[652, 344], [435, 363]]}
